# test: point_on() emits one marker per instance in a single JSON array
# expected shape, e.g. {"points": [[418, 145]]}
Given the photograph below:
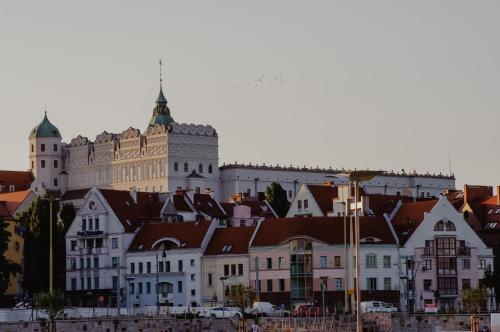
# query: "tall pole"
{"points": [[257, 288], [223, 300], [346, 262], [359, 328], [156, 288], [118, 300], [51, 266]]}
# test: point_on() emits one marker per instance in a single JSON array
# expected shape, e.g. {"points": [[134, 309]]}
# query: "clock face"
{"points": [[92, 205]]}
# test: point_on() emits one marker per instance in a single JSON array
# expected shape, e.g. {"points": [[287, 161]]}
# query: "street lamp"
{"points": [[223, 294]]}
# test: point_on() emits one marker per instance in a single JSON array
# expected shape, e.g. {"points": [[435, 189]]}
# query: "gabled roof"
{"points": [[74, 194], [206, 204], [21, 180], [130, 213], [182, 202], [409, 216], [9, 202], [237, 238], [323, 195], [189, 234], [329, 230]]}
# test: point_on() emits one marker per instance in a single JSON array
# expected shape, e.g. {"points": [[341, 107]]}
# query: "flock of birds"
{"points": [[260, 81]]}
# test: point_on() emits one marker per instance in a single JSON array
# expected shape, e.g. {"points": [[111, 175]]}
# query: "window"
{"points": [[371, 261], [192, 262], [427, 265], [96, 262], [427, 284], [269, 263], [32, 164], [323, 283], [447, 286], [96, 222], [139, 287], [387, 283], [42, 163], [240, 269], [167, 266], [114, 243], [465, 283], [160, 267], [210, 280], [193, 292], [73, 245], [89, 283], [387, 261], [226, 269], [140, 267], [73, 264], [55, 163], [281, 262], [148, 287], [322, 262], [269, 285], [193, 277], [282, 285], [200, 168], [81, 263], [466, 264], [446, 246], [180, 265], [96, 282], [371, 283], [88, 263], [337, 261], [338, 284], [299, 204], [482, 263], [114, 261], [289, 194], [132, 286], [444, 225], [73, 284], [179, 286], [210, 169], [148, 267], [32, 148], [197, 190], [42, 147], [306, 204], [429, 247], [176, 167], [54, 147], [233, 269], [447, 265], [185, 167], [82, 283], [132, 268], [90, 223], [115, 283]]}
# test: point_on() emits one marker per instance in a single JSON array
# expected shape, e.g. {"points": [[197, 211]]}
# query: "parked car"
{"points": [[221, 312], [308, 310], [377, 306], [267, 309]]}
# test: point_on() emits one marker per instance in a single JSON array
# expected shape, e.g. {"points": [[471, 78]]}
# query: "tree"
{"points": [[241, 296], [277, 198], [489, 279], [7, 267], [36, 243], [52, 303], [474, 298]]}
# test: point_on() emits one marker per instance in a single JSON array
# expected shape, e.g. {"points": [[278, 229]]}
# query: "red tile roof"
{"points": [[19, 179], [324, 195], [74, 194], [180, 204], [237, 237], [326, 229], [189, 233], [9, 202], [228, 208], [206, 204], [129, 212], [409, 216]]}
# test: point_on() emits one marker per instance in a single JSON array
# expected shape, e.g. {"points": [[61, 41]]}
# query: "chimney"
{"points": [[133, 194], [498, 195]]}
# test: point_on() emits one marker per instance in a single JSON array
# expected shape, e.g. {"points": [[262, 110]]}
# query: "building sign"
{"points": [[430, 308], [89, 233]]}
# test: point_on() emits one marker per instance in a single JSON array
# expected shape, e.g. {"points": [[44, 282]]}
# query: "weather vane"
{"points": [[161, 79]]}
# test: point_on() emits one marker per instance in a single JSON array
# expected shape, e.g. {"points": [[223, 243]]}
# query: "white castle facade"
{"points": [[169, 156]]}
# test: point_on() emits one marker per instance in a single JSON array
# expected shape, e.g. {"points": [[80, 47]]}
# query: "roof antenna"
{"points": [[45, 109], [161, 78]]}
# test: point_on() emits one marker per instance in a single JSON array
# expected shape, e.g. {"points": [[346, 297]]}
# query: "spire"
{"points": [[161, 113], [161, 97], [45, 128]]}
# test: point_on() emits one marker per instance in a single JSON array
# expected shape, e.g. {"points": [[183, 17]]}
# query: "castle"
{"points": [[170, 156]]}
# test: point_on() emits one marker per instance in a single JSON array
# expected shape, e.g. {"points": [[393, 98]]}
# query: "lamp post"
{"points": [[223, 294]]}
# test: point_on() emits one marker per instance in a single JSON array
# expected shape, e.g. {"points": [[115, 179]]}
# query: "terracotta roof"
{"points": [[228, 208], [236, 237], [326, 229], [206, 204], [129, 212], [74, 194], [180, 203], [19, 179], [324, 195], [9, 202], [190, 234], [409, 216]]}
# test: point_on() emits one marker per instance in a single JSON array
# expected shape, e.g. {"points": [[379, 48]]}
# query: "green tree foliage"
{"points": [[7, 267], [37, 240], [276, 196], [52, 303], [489, 279], [474, 298], [241, 296]]}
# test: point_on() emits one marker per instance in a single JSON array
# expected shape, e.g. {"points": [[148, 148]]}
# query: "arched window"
{"points": [[176, 166], [210, 170], [371, 261], [450, 226], [439, 226], [200, 168], [185, 167]]}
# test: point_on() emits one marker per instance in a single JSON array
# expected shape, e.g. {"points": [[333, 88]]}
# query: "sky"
{"points": [[357, 84]]}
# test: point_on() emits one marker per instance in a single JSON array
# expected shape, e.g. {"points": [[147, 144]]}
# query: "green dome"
{"points": [[45, 129], [161, 113]]}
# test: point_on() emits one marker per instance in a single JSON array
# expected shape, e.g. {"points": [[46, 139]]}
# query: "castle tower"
{"points": [[45, 156]]}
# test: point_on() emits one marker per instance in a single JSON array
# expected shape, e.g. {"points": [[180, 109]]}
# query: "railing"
{"points": [[429, 251], [463, 251]]}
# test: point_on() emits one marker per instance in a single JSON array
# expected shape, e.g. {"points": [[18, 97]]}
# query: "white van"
{"points": [[377, 306], [268, 309]]}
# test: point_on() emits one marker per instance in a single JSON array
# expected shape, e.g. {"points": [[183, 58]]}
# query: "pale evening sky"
{"points": [[365, 84]]}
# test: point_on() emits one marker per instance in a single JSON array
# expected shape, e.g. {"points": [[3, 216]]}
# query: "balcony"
{"points": [[463, 251], [428, 251]]}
